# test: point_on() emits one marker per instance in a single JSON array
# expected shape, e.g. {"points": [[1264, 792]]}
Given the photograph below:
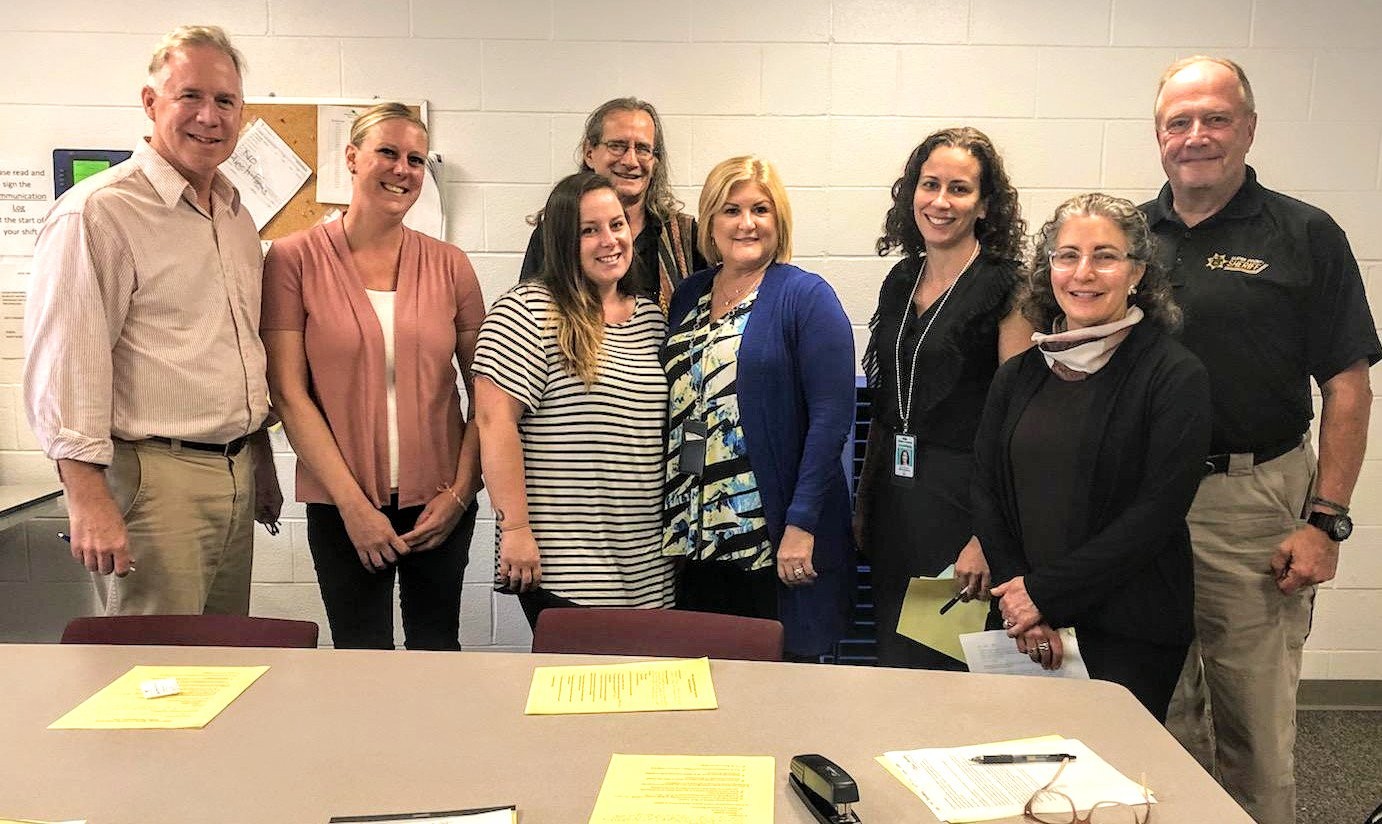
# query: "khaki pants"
{"points": [[1235, 706], [190, 519]]}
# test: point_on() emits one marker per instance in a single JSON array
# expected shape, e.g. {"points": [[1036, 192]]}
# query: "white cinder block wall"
{"points": [[835, 91]]}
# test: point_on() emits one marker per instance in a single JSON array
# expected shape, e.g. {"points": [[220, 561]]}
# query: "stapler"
{"points": [[827, 790]]}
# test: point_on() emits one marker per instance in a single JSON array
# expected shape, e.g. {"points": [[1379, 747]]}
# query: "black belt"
{"points": [[230, 450], [1215, 464]]}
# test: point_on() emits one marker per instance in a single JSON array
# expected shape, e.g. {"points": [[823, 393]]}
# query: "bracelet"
{"points": [[447, 488], [514, 528], [1337, 507]]}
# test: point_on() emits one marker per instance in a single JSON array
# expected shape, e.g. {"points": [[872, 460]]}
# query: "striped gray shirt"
{"points": [[592, 459]]}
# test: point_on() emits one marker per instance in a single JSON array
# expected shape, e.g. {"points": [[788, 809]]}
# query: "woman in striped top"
{"points": [[571, 400]]}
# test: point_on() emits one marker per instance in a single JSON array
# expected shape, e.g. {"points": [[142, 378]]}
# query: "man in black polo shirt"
{"points": [[1272, 298], [623, 141]]}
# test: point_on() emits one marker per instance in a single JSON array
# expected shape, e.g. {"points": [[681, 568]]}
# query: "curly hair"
{"points": [[1002, 230], [1037, 300]]}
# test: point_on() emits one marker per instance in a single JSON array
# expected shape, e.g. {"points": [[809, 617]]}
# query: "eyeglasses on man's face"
{"points": [[1051, 806], [619, 148], [1103, 261], [1212, 122]]}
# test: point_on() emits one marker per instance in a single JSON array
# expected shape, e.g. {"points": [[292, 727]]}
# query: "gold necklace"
{"points": [[743, 290]]}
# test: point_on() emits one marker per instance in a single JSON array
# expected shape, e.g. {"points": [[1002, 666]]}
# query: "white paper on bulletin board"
{"points": [[333, 135], [26, 194]]}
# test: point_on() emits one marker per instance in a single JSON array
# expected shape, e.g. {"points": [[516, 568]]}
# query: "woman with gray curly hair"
{"points": [[1089, 453]]}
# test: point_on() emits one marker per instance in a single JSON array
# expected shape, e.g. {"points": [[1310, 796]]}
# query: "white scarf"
{"points": [[1076, 354]]}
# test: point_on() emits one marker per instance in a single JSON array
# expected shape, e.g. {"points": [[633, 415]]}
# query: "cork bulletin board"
{"points": [[295, 120]]}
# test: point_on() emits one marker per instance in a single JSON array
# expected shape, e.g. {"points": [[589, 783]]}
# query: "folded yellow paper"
{"points": [[726, 789], [121, 705], [645, 686]]}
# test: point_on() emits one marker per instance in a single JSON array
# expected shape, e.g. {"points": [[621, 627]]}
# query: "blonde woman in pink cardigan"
{"points": [[361, 320]]}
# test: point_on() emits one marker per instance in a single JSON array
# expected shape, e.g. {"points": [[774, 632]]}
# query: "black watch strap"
{"points": [[1337, 527]]}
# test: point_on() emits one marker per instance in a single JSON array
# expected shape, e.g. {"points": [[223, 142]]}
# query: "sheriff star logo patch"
{"points": [[1236, 263]]}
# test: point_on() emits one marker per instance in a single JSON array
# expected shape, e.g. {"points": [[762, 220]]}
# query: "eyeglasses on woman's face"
{"points": [[1103, 261]]}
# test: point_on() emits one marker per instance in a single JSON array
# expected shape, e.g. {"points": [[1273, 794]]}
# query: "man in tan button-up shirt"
{"points": [[145, 373]]}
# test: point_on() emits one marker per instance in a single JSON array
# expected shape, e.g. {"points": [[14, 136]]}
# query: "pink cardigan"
{"points": [[311, 286]]}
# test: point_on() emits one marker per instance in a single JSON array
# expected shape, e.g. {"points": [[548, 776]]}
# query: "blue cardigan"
{"points": [[796, 405]]}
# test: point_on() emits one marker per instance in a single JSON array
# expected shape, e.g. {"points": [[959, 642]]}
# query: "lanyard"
{"points": [[904, 403]]}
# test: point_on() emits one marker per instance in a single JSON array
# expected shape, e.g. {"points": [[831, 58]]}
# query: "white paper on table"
{"points": [[994, 653], [266, 170], [957, 789], [333, 135]]}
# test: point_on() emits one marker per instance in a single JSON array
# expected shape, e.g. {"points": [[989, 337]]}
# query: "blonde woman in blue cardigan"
{"points": [[760, 366]]}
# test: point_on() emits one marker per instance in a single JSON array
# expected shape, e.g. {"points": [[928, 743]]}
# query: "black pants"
{"points": [[359, 603], [1149, 671], [894, 650], [722, 587]]}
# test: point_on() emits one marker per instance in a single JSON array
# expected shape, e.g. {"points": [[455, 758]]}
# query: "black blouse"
{"points": [[957, 359]]}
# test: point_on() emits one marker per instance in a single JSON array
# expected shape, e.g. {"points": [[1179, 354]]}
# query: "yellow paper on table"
{"points": [[686, 789], [121, 705], [645, 686], [921, 619]]}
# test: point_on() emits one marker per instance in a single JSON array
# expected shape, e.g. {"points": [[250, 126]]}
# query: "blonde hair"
{"points": [[377, 114], [715, 193], [185, 36]]}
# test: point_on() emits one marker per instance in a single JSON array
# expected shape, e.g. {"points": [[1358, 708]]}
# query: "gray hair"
{"points": [[184, 36], [1243, 85], [660, 200], [1037, 300]]}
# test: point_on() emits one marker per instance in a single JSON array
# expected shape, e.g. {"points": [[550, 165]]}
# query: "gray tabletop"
{"points": [[328, 732]]}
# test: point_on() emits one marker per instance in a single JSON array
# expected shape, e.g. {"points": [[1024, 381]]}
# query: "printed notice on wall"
{"points": [[26, 192]]}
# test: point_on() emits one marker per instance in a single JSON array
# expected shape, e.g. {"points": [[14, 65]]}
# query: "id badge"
{"points": [[692, 457], [904, 456]]}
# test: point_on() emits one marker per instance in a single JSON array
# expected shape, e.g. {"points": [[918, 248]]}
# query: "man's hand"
{"points": [[1306, 557], [268, 496], [99, 540]]}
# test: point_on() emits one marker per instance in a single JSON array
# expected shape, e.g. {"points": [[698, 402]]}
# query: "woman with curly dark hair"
{"points": [[1089, 453], [943, 324]]}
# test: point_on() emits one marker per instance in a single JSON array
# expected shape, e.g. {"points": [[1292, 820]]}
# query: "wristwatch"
{"points": [[1337, 527]]}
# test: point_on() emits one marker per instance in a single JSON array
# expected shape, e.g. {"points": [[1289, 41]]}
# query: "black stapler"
{"points": [[827, 790]]}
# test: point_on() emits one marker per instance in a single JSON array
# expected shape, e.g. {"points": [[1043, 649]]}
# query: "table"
{"points": [[20, 502], [341, 732]]}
